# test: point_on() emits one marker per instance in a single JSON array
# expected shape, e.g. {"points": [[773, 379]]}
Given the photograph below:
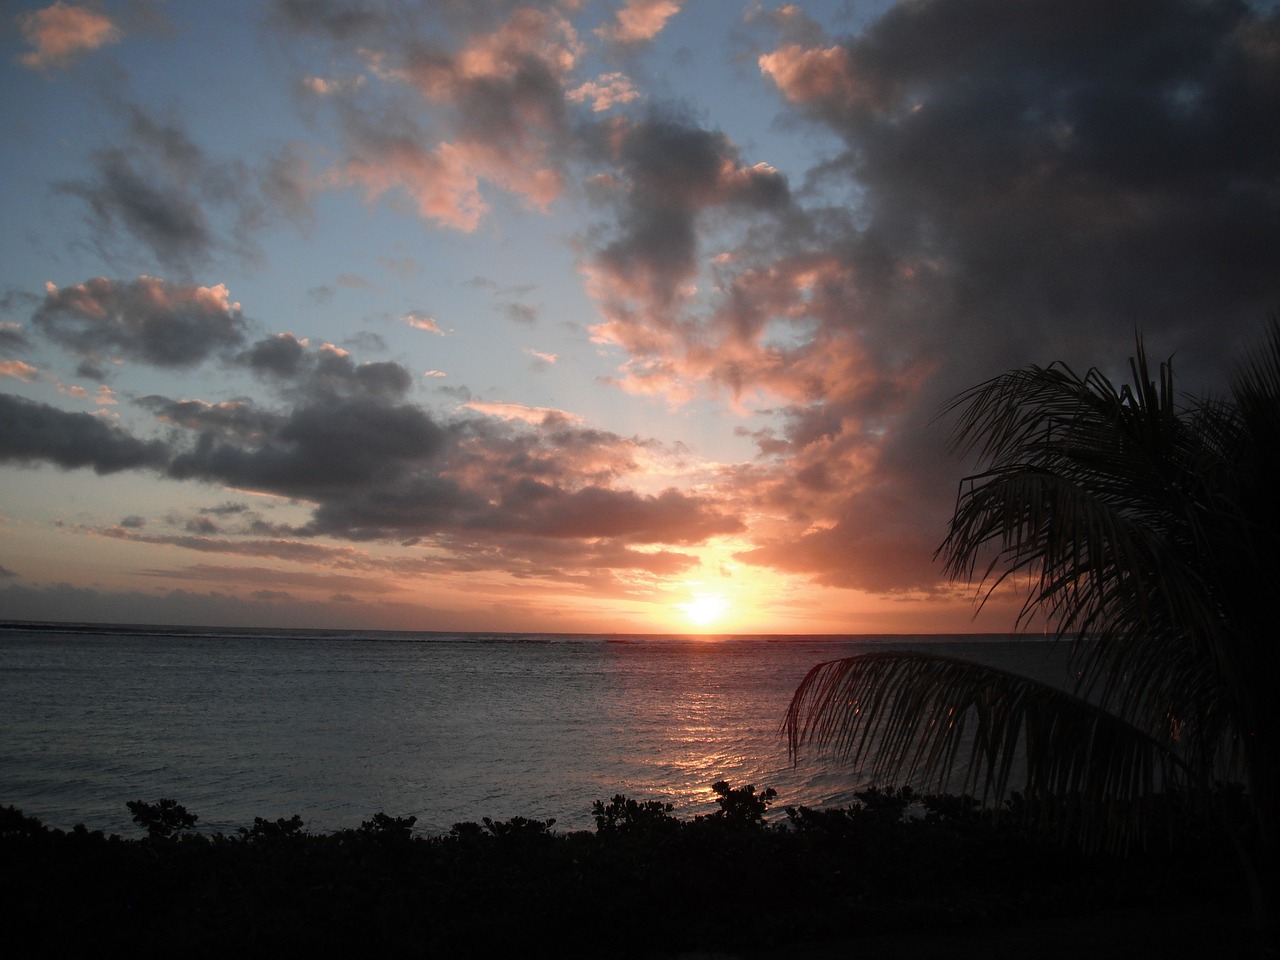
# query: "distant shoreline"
{"points": [[187, 630]]}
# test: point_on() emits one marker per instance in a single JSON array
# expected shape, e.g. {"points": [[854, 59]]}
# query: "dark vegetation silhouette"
{"points": [[1146, 525], [644, 883]]}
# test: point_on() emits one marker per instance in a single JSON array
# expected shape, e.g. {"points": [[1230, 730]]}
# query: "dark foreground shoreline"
{"points": [[879, 879]]}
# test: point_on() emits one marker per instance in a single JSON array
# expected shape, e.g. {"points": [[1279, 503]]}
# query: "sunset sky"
{"points": [[584, 316]]}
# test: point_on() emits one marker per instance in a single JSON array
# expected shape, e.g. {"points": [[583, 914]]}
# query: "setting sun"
{"points": [[705, 609]]}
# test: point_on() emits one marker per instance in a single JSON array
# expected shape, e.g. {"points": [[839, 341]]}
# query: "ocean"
{"points": [[337, 726]]}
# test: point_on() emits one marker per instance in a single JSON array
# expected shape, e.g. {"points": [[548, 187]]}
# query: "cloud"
{"points": [[62, 601], [147, 319], [338, 19], [32, 432], [60, 33], [1033, 189], [297, 551], [18, 370], [158, 188], [489, 111], [1049, 168], [640, 20], [420, 321], [675, 177], [12, 336], [325, 372], [520, 313], [605, 92], [326, 87], [592, 512], [518, 411], [314, 452]]}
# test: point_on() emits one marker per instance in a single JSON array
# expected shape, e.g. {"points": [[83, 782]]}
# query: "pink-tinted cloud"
{"points": [[420, 321], [640, 20], [60, 33], [18, 370], [499, 101], [441, 183], [823, 75], [605, 92], [518, 411]]}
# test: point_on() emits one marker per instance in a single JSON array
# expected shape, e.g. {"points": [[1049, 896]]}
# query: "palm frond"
{"points": [[930, 720]]}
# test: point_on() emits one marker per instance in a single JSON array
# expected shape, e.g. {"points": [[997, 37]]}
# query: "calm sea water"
{"points": [[339, 726]]}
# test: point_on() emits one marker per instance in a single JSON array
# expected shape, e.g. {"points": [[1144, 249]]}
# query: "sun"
{"points": [[705, 609]]}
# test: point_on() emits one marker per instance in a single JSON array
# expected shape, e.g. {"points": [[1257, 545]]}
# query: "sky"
{"points": [[584, 316]]}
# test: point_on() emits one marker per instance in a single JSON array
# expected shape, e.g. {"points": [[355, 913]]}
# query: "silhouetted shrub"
{"points": [[163, 819], [741, 806], [15, 823], [273, 830], [622, 815]]}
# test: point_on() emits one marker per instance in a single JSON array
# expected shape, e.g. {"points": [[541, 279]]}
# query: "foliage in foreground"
{"points": [[643, 883]]}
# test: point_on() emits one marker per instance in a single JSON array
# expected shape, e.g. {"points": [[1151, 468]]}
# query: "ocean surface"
{"points": [[338, 726]]}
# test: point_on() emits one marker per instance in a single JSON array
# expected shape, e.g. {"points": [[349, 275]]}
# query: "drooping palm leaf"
{"points": [[951, 724]]}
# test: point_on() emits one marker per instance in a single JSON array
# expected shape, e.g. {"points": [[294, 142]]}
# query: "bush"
{"points": [[161, 820]]}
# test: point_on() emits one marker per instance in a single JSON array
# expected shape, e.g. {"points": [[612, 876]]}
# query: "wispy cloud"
{"points": [[420, 321], [18, 370], [60, 33]]}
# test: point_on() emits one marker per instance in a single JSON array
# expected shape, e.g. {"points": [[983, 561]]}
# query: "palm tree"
{"points": [[1147, 528]]}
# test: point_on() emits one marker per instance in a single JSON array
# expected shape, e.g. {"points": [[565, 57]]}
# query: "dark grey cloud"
{"points": [[227, 509], [158, 189], [32, 432], [202, 526], [339, 20], [13, 337], [290, 365], [125, 196], [145, 319], [673, 173], [238, 420], [316, 452], [622, 515], [1068, 170], [280, 356]]}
